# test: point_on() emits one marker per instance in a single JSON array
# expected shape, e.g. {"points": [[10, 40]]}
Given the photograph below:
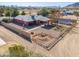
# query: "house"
{"points": [[41, 19], [30, 20], [65, 21], [23, 19], [68, 12]]}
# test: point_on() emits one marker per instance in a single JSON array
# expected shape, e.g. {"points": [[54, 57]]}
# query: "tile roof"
{"points": [[24, 18], [29, 18], [41, 18]]}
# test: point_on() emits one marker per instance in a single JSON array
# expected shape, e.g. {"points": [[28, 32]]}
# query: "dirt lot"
{"points": [[68, 46]]}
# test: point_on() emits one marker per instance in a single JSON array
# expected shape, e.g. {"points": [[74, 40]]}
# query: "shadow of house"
{"points": [[48, 26]]}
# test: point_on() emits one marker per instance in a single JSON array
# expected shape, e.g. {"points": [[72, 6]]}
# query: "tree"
{"points": [[43, 12], [1, 11], [76, 14], [54, 15], [15, 13], [7, 13], [23, 13]]}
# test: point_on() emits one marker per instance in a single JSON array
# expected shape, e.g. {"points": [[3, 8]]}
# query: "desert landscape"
{"points": [[39, 31]]}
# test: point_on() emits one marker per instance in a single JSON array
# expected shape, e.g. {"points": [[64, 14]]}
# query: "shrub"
{"points": [[32, 33], [23, 13], [19, 51], [6, 20]]}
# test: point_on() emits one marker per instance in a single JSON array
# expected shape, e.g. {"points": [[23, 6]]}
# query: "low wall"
{"points": [[20, 32]]}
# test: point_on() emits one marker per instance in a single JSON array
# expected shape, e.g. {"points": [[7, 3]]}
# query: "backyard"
{"points": [[47, 36]]}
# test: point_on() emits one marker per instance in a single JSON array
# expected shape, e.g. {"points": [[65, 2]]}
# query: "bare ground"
{"points": [[68, 46], [11, 38]]}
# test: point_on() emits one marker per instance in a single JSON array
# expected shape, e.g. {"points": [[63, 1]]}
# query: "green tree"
{"points": [[43, 12], [1, 11], [76, 14], [7, 13], [23, 13], [15, 13]]}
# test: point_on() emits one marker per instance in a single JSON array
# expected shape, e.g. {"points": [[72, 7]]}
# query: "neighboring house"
{"points": [[65, 21], [68, 12], [29, 20]]}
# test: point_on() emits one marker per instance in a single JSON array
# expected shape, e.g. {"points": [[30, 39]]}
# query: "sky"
{"points": [[61, 4]]}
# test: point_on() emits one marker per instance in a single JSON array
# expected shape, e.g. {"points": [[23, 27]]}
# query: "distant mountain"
{"points": [[75, 5], [44, 6], [52, 6], [24, 7]]}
